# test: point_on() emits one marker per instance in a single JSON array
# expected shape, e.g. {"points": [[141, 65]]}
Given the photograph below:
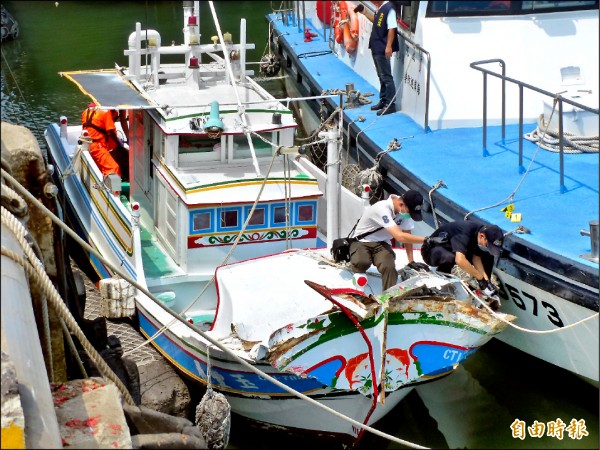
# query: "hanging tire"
{"points": [[270, 65]]}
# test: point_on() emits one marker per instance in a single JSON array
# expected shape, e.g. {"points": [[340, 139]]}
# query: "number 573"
{"points": [[518, 297]]}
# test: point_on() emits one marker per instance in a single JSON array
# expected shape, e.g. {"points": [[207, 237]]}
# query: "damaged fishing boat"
{"points": [[209, 228]]}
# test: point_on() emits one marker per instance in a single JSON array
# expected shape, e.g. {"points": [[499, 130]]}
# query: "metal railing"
{"points": [[421, 50], [521, 85]]}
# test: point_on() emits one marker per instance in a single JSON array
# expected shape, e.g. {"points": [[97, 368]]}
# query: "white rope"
{"points": [[550, 139], [36, 270], [516, 327]]}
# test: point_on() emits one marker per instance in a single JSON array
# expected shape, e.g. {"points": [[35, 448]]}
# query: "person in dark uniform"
{"points": [[383, 42], [470, 246]]}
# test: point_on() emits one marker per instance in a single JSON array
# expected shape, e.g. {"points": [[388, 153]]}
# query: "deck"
{"points": [[476, 180]]}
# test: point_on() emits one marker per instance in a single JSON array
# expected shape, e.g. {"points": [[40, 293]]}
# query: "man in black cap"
{"points": [[470, 246], [390, 218]]}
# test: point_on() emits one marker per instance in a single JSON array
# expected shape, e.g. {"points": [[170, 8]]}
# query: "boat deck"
{"points": [[475, 181]]}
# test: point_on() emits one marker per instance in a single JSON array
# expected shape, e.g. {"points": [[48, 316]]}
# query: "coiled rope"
{"points": [[549, 139]]}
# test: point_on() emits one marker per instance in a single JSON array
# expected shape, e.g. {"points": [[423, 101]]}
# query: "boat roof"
{"points": [[179, 99], [239, 184]]}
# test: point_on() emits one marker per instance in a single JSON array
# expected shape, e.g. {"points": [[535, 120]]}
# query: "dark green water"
{"points": [[473, 408]]}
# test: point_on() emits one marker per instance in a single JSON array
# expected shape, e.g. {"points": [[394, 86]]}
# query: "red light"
{"points": [[63, 121], [367, 188], [192, 21], [135, 206], [194, 63], [361, 281]]}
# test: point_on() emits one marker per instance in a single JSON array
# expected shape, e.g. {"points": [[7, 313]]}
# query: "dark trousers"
{"points": [[380, 254], [383, 66], [121, 157]]}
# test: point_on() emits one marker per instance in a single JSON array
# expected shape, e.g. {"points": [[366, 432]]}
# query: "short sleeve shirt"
{"points": [[381, 214], [462, 236]]}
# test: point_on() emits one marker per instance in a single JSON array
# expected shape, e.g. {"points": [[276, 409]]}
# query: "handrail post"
{"points": [[503, 100], [521, 168], [563, 189], [485, 152]]}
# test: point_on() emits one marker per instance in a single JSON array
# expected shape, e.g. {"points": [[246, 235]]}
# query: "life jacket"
{"points": [[378, 39], [88, 123]]}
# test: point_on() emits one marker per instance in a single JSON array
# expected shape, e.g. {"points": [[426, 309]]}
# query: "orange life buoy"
{"points": [[349, 43], [353, 24], [341, 17]]}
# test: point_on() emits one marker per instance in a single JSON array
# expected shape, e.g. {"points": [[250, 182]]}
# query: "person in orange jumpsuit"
{"points": [[105, 148]]}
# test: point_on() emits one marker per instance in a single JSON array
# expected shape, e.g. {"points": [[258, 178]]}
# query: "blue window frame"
{"points": [[305, 213], [229, 219], [201, 221], [260, 217]]}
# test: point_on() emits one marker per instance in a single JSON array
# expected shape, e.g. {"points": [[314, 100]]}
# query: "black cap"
{"points": [[414, 202], [495, 238]]}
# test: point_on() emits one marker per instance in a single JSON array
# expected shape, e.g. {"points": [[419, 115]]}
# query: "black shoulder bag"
{"points": [[340, 249]]}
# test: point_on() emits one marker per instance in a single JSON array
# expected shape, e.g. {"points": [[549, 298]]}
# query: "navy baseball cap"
{"points": [[414, 202], [495, 238]]}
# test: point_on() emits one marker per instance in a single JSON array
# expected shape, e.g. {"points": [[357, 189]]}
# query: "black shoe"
{"points": [[377, 106], [386, 110]]}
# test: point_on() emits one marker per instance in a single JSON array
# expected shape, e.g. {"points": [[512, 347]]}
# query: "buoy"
{"points": [[349, 43], [343, 18], [353, 24]]}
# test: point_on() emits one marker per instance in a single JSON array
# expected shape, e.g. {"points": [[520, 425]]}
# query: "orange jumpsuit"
{"points": [[98, 124]]}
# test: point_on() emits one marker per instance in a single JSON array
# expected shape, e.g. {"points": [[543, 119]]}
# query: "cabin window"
{"points": [[259, 217], [279, 215], [494, 8], [229, 218], [202, 221], [241, 149], [305, 213], [197, 148]]}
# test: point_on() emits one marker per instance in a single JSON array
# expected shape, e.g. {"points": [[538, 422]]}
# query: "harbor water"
{"points": [[499, 398]]}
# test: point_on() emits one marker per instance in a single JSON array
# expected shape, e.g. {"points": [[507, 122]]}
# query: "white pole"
{"points": [[333, 186]]}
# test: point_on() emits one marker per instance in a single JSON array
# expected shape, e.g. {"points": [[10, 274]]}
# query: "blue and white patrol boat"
{"points": [[497, 122]]}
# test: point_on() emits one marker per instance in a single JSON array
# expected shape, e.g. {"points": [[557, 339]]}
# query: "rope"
{"points": [[25, 240], [40, 276], [550, 139], [516, 327], [204, 335], [73, 349]]}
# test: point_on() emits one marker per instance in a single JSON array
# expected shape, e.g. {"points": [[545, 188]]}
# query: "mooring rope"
{"points": [[34, 269]]}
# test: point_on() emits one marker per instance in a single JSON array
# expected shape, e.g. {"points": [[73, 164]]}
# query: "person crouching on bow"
{"points": [[386, 219]]}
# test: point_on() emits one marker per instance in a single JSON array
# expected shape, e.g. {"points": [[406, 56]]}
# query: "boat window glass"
{"points": [[279, 215], [202, 221], [197, 144], [229, 218], [493, 8], [306, 212], [194, 148], [261, 148], [259, 217], [408, 15]]}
